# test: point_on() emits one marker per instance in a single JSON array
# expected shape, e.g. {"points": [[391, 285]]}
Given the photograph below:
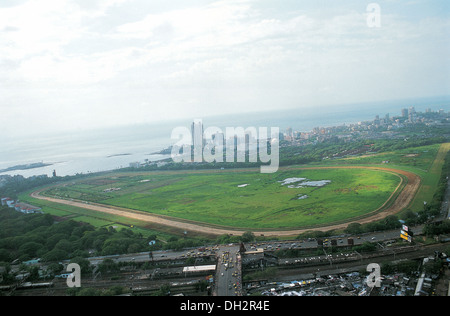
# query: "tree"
{"points": [[84, 264], [201, 286], [54, 255], [433, 267], [88, 292], [164, 290], [354, 229], [108, 265], [247, 237], [65, 245], [391, 222], [410, 217], [34, 273], [55, 268], [29, 249], [80, 231], [433, 229], [5, 255], [54, 239], [366, 247]]}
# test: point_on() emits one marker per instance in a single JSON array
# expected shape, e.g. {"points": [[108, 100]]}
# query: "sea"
{"points": [[114, 148]]}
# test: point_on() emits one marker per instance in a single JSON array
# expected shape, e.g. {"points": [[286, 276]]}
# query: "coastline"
{"points": [[96, 151], [26, 167]]}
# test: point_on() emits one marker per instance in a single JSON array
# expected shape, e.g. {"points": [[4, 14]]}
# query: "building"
{"points": [[199, 269], [27, 208], [412, 114], [404, 113], [4, 201], [8, 202], [21, 207], [289, 134], [197, 140], [135, 165], [218, 139]]}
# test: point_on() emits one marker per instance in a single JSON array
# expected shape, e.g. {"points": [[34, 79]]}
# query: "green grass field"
{"points": [[248, 199], [245, 199], [425, 161]]}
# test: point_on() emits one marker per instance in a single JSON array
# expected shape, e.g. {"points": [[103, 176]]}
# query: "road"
{"points": [[228, 278], [228, 274], [233, 249]]}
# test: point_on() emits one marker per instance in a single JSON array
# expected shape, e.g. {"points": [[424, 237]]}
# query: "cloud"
{"points": [[128, 61]]}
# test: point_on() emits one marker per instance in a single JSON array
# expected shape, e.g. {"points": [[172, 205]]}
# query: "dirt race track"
{"points": [[402, 201]]}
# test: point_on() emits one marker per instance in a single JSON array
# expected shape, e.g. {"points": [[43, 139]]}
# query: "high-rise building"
{"points": [[218, 138], [412, 114], [197, 140], [290, 132], [377, 120], [404, 112], [197, 132]]}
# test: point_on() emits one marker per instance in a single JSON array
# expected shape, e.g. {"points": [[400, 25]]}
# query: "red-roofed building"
{"points": [[8, 202], [27, 208]]}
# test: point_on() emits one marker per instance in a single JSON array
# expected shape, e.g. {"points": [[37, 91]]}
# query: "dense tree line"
{"points": [[389, 223], [433, 208], [435, 229], [25, 237], [14, 185]]}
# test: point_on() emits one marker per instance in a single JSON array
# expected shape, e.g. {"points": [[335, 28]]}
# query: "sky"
{"points": [[71, 65]]}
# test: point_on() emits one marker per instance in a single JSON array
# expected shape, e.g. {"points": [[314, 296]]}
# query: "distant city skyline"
{"points": [[115, 147], [68, 65]]}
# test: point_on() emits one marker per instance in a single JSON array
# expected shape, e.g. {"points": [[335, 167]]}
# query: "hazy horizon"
{"points": [[267, 118]]}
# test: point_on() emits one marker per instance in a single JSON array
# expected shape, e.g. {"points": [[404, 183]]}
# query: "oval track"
{"points": [[402, 201]]}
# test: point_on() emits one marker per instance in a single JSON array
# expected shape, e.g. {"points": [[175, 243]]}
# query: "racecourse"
{"points": [[399, 199]]}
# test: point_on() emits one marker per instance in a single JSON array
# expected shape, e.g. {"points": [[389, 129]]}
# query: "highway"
{"points": [[341, 240], [233, 249], [228, 275]]}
